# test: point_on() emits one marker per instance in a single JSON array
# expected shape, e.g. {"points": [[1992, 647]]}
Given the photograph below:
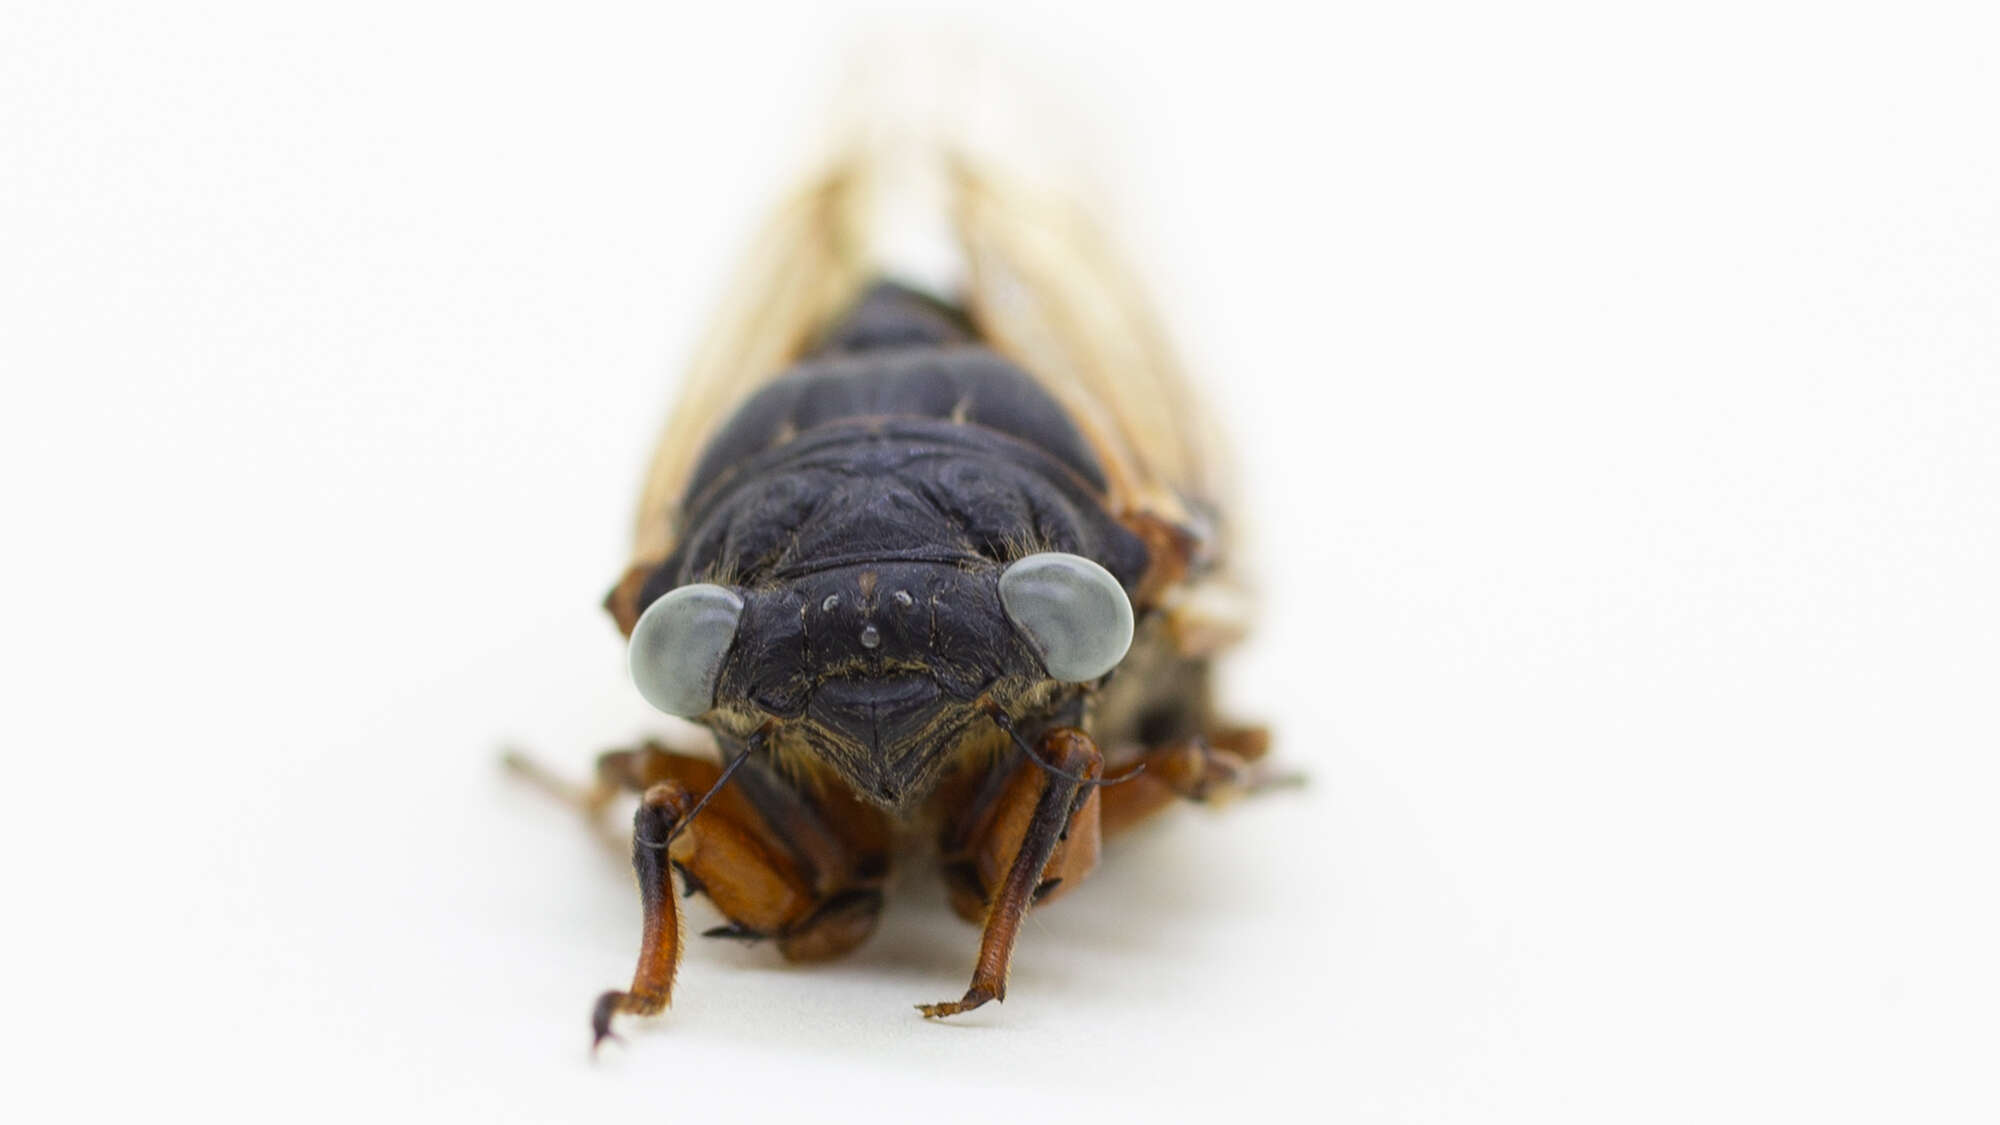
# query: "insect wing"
{"points": [[1040, 284], [1047, 289], [804, 268]]}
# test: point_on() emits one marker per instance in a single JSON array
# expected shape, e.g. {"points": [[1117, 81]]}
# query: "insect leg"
{"points": [[776, 863], [1211, 770], [751, 877], [1039, 833], [1190, 770], [634, 770], [835, 846], [660, 812]]}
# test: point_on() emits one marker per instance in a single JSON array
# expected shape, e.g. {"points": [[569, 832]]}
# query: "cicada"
{"points": [[936, 554]]}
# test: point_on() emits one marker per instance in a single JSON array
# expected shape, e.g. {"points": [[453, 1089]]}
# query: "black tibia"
{"points": [[1037, 834], [661, 811]]}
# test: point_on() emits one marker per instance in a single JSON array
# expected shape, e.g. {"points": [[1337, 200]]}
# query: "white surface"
{"points": [[1619, 397]]}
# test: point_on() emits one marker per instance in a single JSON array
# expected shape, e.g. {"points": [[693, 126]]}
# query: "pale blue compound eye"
{"points": [[1072, 611], [679, 644]]}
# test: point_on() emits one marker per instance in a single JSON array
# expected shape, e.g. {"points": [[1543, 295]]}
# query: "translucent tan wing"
{"points": [[803, 269], [1047, 290], [1040, 285]]}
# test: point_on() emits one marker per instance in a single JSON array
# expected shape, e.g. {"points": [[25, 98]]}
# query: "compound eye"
{"points": [[1072, 611], [679, 644]]}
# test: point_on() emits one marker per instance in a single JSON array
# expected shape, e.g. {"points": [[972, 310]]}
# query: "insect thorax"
{"points": [[865, 504]]}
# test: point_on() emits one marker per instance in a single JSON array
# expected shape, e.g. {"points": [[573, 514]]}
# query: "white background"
{"points": [[1618, 397]]}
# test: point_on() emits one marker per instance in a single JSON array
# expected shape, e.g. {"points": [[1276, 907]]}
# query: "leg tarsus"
{"points": [[973, 998], [600, 1019]]}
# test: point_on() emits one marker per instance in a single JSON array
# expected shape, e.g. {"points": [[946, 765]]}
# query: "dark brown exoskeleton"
{"points": [[937, 563]]}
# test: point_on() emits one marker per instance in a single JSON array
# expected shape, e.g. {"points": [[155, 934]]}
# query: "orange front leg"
{"points": [[662, 810], [1212, 770], [804, 869], [1039, 834]]}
